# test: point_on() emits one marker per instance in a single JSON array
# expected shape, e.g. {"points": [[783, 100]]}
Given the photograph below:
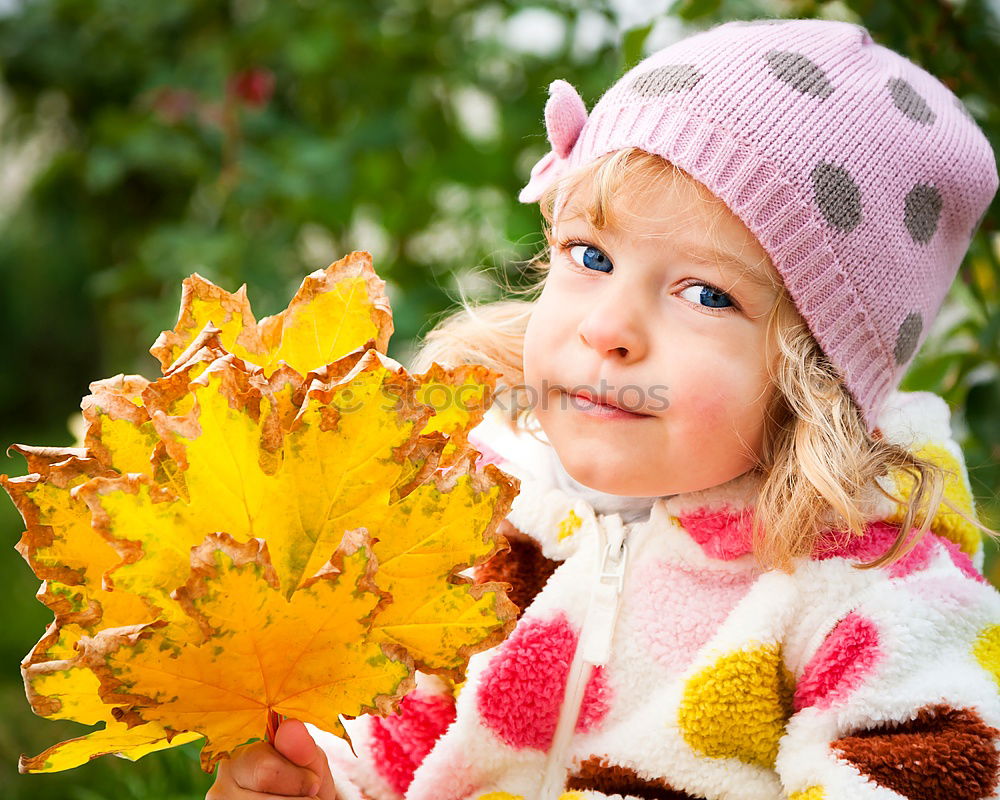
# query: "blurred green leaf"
{"points": [[929, 374], [989, 335], [632, 45], [982, 410], [694, 9]]}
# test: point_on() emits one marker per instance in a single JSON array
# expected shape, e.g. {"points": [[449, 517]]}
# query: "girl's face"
{"points": [[647, 317]]}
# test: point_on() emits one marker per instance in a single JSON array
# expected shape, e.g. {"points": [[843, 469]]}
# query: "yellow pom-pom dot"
{"points": [[738, 706], [569, 525], [571, 796], [946, 522], [812, 793], [454, 687], [987, 651]]}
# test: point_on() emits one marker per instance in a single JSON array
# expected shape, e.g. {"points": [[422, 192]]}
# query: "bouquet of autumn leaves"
{"points": [[276, 526]]}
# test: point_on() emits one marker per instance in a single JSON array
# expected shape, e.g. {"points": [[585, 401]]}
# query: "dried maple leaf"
{"points": [[251, 437], [335, 311], [459, 397], [71, 558], [307, 655]]}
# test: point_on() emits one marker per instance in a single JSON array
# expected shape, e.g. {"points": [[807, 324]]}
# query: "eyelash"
{"points": [[565, 244]]}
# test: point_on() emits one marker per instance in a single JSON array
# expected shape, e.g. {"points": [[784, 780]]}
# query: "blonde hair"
{"points": [[818, 461]]}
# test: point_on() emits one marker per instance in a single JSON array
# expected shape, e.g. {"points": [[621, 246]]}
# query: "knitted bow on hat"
{"points": [[565, 115]]}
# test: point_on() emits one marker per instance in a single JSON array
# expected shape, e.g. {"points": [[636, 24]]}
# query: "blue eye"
{"points": [[712, 297], [591, 258]]}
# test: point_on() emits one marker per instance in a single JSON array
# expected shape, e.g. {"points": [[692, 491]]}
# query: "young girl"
{"points": [[748, 568]]}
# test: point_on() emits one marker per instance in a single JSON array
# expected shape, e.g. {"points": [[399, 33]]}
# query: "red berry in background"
{"points": [[253, 86]]}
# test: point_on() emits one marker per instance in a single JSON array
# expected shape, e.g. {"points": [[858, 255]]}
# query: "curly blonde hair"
{"points": [[818, 461]]}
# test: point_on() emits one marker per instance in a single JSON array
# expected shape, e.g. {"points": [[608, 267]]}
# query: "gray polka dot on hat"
{"points": [[666, 79], [923, 210], [909, 102], [799, 72], [837, 195], [908, 336]]}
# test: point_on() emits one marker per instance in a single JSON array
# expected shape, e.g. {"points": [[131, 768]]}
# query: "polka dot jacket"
{"points": [[716, 680]]}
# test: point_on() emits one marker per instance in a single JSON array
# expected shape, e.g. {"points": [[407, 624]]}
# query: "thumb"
{"points": [[293, 741]]}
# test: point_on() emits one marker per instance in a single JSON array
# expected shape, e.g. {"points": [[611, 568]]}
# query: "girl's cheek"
{"points": [[545, 339], [708, 412], [713, 398], [739, 409]]}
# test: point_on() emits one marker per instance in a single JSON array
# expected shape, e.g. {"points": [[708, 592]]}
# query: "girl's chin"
{"points": [[610, 480]]}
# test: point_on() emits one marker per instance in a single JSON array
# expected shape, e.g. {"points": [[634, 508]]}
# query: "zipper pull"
{"points": [[605, 602], [593, 649]]}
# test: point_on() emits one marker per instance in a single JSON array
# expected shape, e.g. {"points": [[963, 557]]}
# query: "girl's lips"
{"points": [[595, 409]]}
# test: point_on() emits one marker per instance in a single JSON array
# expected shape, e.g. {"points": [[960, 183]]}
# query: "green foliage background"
{"points": [[256, 140]]}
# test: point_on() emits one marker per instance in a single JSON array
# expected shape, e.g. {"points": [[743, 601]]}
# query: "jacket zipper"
{"points": [[593, 648]]}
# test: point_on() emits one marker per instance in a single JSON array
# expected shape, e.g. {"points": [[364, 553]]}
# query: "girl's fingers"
{"points": [[235, 793], [259, 768], [294, 742]]}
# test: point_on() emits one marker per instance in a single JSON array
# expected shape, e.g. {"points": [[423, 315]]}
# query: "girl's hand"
{"points": [[294, 767]]}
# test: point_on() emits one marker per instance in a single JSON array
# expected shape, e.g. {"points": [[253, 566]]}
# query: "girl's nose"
{"points": [[611, 327]]}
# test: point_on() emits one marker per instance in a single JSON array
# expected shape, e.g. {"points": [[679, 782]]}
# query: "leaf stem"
{"points": [[273, 721]]}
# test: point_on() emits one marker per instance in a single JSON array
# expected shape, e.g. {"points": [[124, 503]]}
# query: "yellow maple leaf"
{"points": [[233, 464], [439, 616], [307, 655], [459, 398], [336, 310], [71, 557], [117, 427], [296, 431], [116, 737]]}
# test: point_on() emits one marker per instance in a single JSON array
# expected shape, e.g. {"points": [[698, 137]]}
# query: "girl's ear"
{"points": [[565, 115]]}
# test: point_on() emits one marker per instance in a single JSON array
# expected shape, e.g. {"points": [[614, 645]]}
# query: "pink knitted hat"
{"points": [[860, 173]]}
